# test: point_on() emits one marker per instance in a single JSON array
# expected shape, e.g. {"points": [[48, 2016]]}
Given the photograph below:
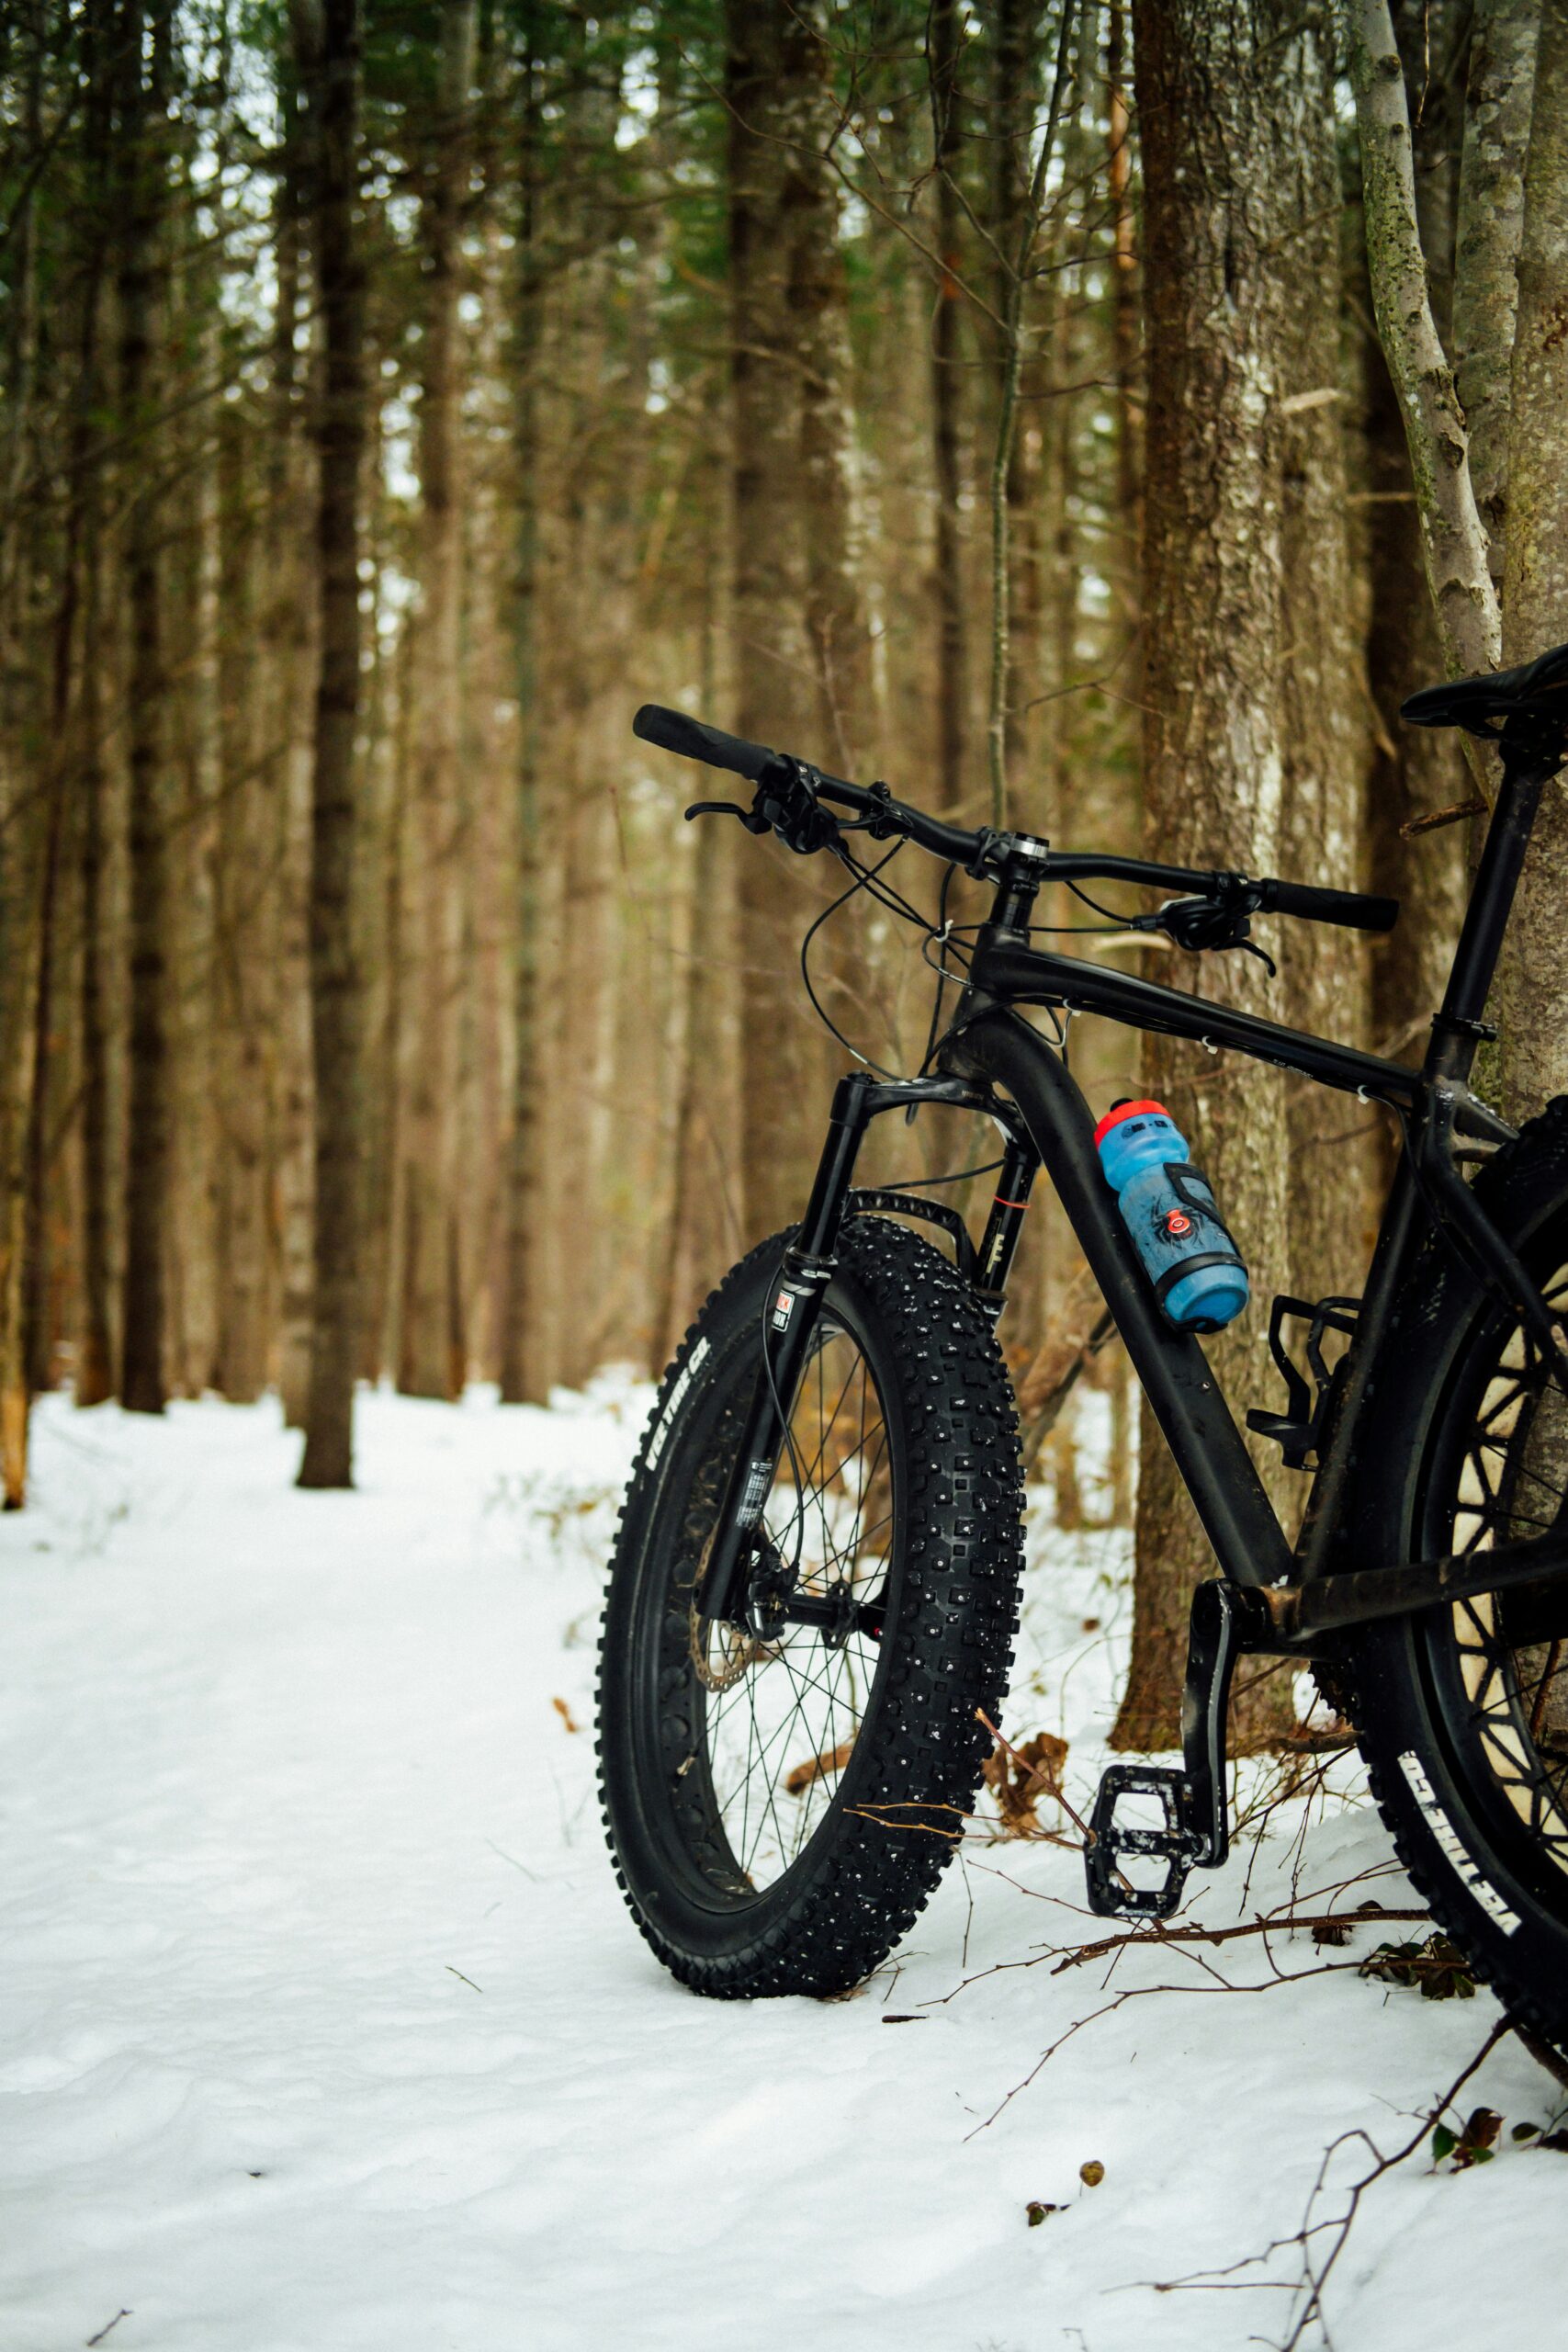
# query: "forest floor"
{"points": [[324, 2026]]}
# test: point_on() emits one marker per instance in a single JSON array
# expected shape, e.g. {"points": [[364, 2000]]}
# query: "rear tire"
{"points": [[1462, 1713], [787, 1848]]}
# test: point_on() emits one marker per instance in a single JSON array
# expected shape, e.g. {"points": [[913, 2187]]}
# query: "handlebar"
{"points": [[693, 739], [1353, 909], [985, 852]]}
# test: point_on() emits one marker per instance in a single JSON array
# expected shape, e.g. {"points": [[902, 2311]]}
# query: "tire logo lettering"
{"points": [[656, 1443], [1447, 1838]]}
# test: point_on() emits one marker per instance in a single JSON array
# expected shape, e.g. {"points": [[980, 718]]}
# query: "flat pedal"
{"points": [[1192, 1797], [1176, 1843]]}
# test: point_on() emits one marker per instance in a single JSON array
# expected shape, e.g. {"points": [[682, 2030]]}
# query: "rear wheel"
{"points": [[779, 1811], [1462, 1713]]}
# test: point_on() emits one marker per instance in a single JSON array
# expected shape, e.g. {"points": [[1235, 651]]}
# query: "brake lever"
{"points": [[1209, 923], [748, 817]]}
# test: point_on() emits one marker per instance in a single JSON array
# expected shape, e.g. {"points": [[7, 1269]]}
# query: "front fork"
{"points": [[795, 1304]]}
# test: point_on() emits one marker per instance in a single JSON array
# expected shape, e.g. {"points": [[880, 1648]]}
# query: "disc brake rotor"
{"points": [[738, 1650]]}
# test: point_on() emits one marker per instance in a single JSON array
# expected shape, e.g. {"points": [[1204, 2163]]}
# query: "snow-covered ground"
{"points": [[323, 2026]]}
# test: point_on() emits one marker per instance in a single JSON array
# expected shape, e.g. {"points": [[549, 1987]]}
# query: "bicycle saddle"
{"points": [[1533, 694]]}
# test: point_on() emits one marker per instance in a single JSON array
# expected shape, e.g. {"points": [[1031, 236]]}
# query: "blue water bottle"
{"points": [[1198, 1275]]}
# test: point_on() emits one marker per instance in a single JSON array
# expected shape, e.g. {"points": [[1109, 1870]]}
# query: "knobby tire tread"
{"points": [[1389, 1700], [947, 1645]]}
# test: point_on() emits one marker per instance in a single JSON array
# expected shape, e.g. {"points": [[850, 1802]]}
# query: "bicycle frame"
{"points": [[1289, 1604]]}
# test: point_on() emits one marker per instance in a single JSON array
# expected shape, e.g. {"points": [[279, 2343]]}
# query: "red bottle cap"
{"points": [[1113, 1118]]}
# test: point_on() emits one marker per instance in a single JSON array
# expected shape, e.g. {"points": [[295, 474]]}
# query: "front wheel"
{"points": [[779, 1811]]}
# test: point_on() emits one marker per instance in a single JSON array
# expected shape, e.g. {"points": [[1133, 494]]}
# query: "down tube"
{"points": [[1186, 1400]]}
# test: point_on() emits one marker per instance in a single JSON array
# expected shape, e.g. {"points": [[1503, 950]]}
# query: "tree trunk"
{"points": [[1490, 220], [289, 644], [333, 75], [1325, 974], [1413, 772], [96, 1359], [1452, 536], [1237, 127], [245, 990], [1124, 298], [772, 88], [704, 1232], [947, 409], [19, 877], [430, 1345], [141, 131], [1533, 981]]}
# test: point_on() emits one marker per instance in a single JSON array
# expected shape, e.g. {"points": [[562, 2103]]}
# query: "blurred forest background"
{"points": [[986, 397]]}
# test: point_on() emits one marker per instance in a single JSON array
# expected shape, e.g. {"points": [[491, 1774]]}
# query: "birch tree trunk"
{"points": [[1453, 539], [333, 78], [1490, 220], [1413, 772]]}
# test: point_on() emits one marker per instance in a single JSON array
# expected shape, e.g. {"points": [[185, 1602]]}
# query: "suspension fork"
{"points": [[789, 1326], [794, 1305], [1004, 1226]]}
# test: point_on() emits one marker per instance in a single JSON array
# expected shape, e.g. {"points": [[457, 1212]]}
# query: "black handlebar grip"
{"points": [[1352, 908], [692, 738]]}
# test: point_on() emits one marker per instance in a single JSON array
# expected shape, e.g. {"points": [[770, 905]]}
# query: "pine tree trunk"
{"points": [[431, 1324], [1124, 295], [1533, 981], [771, 88], [333, 80], [1233, 101], [19, 877], [947, 409], [95, 1357], [290, 635], [705, 1231], [148, 1108], [245, 981]]}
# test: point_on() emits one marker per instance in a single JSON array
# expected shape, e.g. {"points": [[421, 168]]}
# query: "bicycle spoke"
{"points": [[801, 1704]]}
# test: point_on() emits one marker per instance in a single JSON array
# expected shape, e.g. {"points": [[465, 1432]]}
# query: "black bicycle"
{"points": [[816, 1581]]}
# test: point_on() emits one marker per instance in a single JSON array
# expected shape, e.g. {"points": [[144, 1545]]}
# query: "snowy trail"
{"points": [[322, 2026]]}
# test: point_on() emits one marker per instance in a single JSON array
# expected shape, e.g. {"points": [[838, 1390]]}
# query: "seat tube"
{"points": [[789, 1323], [1525, 775]]}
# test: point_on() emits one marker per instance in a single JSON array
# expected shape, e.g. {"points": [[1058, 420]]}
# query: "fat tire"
{"points": [[945, 1651], [1421, 1753]]}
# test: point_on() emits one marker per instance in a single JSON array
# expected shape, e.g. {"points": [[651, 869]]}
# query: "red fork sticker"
{"points": [[1175, 1224]]}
